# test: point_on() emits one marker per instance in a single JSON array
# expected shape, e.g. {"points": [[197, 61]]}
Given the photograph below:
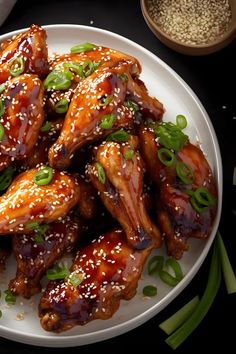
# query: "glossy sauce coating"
{"points": [[26, 202], [109, 269]]}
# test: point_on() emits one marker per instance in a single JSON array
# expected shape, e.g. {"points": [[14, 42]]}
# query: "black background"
{"points": [[213, 79]]}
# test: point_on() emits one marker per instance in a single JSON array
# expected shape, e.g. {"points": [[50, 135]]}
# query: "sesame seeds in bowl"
{"points": [[194, 27]]}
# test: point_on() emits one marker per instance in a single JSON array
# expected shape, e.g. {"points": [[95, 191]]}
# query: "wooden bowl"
{"points": [[192, 49]]}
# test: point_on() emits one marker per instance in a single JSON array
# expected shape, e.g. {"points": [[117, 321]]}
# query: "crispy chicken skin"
{"points": [[35, 257], [122, 191], [23, 116], [26, 202], [85, 114], [31, 46], [176, 217], [109, 270]]}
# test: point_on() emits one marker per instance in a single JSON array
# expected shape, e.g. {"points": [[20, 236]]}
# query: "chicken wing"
{"points": [[103, 273], [176, 215], [36, 252], [23, 116], [26, 202], [121, 190], [30, 47]]}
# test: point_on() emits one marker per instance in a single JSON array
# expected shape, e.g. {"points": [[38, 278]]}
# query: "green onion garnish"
{"points": [[77, 68], [46, 127], [17, 66], [101, 173], [44, 176], [76, 279], [57, 272], [201, 199], [214, 279], [166, 277], [89, 67], [132, 105], [105, 100], [2, 109], [155, 265], [2, 88], [84, 47], [185, 172], [181, 121], [228, 273], [119, 136], [61, 106], [178, 318], [129, 154], [123, 77], [32, 225], [58, 80], [166, 156], [6, 178], [2, 132], [234, 177], [107, 121], [10, 298], [170, 136], [149, 291]]}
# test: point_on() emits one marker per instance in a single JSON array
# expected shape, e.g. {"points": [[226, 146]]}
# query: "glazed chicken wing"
{"points": [[26, 202], [118, 175], [103, 273], [177, 215], [36, 252], [22, 117], [27, 51]]}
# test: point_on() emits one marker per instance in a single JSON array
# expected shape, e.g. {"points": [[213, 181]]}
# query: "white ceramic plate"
{"points": [[178, 98]]}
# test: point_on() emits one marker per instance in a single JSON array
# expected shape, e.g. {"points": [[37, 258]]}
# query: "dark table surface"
{"points": [[213, 80]]}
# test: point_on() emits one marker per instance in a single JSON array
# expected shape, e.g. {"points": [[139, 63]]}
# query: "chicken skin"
{"points": [[22, 118], [36, 252], [176, 214], [26, 202], [121, 190], [28, 47], [103, 273]]}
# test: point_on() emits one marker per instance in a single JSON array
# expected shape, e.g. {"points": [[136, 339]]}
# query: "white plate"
{"points": [[178, 98]]}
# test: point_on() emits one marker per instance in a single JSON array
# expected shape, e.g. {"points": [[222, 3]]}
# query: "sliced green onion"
{"points": [[155, 265], [6, 178], [61, 106], [201, 199], [57, 272], [2, 132], [105, 100], [166, 156], [228, 273], [46, 127], [17, 66], [2, 110], [39, 239], [2, 88], [179, 317], [129, 154], [44, 176], [150, 291], [40, 232], [166, 277], [101, 173], [107, 121], [10, 298], [181, 121], [214, 279], [32, 225], [77, 68], [119, 136], [234, 177], [184, 172], [132, 105], [89, 67], [123, 77], [76, 279], [84, 47], [58, 80], [170, 136]]}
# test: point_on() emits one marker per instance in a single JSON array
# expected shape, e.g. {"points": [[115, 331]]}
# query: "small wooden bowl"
{"points": [[190, 49]]}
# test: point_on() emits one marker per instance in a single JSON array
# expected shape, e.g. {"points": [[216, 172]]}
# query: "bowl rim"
{"points": [[230, 32]]}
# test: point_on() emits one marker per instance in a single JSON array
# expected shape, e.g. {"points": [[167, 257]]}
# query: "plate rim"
{"points": [[87, 338]]}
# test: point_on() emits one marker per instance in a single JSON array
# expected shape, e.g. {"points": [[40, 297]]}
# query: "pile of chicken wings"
{"points": [[88, 166]]}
